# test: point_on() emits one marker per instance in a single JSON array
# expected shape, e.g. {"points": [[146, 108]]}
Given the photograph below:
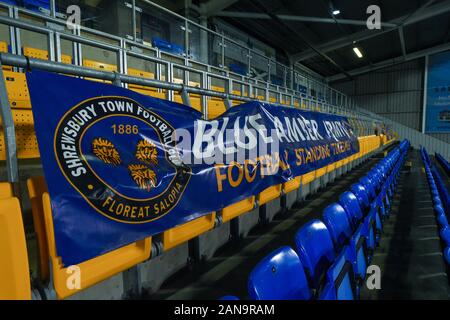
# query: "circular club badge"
{"points": [[121, 158]]}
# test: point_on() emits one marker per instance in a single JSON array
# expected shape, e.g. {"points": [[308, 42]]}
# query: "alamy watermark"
{"points": [[374, 20]]}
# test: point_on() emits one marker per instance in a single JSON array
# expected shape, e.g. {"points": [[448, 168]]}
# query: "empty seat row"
{"points": [[331, 256], [52, 272], [441, 200], [444, 163]]}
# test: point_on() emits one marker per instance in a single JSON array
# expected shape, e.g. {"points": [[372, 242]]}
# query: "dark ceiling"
{"points": [[295, 38]]}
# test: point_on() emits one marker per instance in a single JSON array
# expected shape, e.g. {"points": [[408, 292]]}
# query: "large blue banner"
{"points": [[438, 94], [121, 166]]}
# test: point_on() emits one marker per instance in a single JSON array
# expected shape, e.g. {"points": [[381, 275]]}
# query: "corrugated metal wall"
{"points": [[395, 92]]}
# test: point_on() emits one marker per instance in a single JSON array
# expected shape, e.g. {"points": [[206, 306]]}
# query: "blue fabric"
{"points": [[107, 192]]}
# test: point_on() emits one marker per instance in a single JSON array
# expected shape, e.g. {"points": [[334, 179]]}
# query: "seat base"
{"points": [[242, 225], [154, 272], [291, 199], [109, 289], [303, 191], [212, 240], [269, 210]]}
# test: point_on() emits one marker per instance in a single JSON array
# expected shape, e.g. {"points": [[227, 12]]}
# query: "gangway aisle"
{"points": [[227, 271], [410, 253]]}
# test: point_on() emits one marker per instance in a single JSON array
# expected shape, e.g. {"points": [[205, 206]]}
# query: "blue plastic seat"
{"points": [[279, 276], [368, 184], [447, 255], [445, 235], [339, 282], [316, 251], [351, 206], [337, 223], [336, 220], [361, 194]]}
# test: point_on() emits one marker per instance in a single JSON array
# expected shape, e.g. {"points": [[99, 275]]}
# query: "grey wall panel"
{"points": [[395, 93]]}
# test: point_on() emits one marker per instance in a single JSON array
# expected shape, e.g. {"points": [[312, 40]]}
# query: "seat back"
{"points": [[335, 218], [279, 276], [314, 246], [14, 269], [369, 185], [351, 206], [361, 194]]}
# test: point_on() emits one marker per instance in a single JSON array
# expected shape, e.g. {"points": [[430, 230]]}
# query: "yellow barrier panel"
{"points": [[185, 232], [292, 185], [269, 194], [308, 177], [238, 208]]}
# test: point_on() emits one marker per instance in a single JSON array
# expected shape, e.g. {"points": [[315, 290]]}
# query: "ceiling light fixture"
{"points": [[336, 12], [358, 52]]}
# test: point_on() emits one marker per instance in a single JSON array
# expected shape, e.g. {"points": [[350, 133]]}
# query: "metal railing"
{"points": [[22, 62], [328, 94]]}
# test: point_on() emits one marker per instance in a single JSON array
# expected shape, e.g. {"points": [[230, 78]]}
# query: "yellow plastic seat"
{"points": [[99, 66], [17, 88], [94, 270], [147, 91], [26, 142], [216, 106], [14, 268], [238, 208], [4, 48], [19, 99], [43, 55], [236, 102], [6, 190], [187, 231], [292, 185], [194, 99], [269, 194]]}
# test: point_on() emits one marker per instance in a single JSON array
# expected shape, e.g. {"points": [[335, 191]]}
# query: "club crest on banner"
{"points": [[122, 172]]}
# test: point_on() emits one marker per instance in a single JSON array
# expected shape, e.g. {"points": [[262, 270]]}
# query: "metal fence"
{"points": [[193, 36]]}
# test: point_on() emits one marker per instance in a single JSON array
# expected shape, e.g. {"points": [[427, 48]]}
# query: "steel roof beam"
{"points": [[287, 17], [420, 15], [392, 62]]}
